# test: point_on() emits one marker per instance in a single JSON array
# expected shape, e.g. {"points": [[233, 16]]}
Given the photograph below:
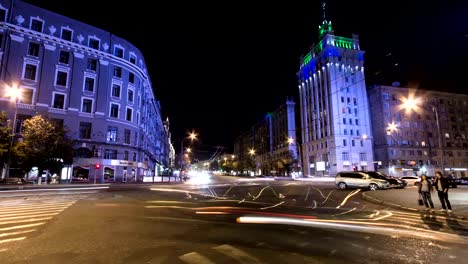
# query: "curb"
{"points": [[399, 206]]}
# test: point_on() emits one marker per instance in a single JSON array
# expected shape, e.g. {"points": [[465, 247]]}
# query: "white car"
{"points": [[411, 180]]}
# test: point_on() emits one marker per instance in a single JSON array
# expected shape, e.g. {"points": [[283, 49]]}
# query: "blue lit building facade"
{"points": [[335, 124], [91, 81]]}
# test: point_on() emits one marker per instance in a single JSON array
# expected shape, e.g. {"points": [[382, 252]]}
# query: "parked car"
{"points": [[15, 180], [358, 179], [394, 182], [462, 181], [411, 180]]}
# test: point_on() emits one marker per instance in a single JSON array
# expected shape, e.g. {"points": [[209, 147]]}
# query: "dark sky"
{"points": [[218, 68]]}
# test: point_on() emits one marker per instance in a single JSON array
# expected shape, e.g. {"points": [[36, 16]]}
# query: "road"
{"points": [[224, 221]]}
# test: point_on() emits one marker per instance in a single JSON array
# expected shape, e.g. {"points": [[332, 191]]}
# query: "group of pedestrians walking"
{"points": [[441, 185]]}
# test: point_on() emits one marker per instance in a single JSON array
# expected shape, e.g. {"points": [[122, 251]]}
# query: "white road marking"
{"points": [[237, 254], [195, 258]]}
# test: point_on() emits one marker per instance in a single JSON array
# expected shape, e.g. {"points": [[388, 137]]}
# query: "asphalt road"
{"points": [[227, 221]]}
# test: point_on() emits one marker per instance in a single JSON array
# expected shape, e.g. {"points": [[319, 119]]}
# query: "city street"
{"points": [[229, 220]]}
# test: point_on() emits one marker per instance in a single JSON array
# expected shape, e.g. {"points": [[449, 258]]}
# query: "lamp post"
{"points": [[291, 141], [192, 136], [410, 104], [252, 154], [15, 96]]}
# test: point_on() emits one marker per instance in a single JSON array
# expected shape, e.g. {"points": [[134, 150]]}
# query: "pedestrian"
{"points": [[425, 189], [442, 186]]}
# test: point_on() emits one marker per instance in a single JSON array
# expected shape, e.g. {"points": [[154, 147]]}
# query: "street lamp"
{"points": [[192, 136], [15, 93]]}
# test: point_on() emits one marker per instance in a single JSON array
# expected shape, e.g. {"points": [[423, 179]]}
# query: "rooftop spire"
{"points": [[324, 3]]}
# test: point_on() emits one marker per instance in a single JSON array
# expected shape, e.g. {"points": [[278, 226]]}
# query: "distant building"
{"points": [[265, 148], [88, 80], [406, 136], [335, 124]]}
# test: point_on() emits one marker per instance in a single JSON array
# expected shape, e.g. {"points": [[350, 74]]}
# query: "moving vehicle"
{"points": [[411, 180], [394, 182]]}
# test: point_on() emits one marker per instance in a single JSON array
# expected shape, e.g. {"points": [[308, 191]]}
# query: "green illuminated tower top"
{"points": [[326, 26]]}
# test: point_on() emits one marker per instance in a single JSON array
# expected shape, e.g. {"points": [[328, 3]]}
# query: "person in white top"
{"points": [[425, 189]]}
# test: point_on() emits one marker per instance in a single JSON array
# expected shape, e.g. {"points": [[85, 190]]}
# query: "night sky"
{"points": [[218, 68]]}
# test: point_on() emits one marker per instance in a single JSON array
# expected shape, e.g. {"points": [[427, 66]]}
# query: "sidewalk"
{"points": [[406, 199]]}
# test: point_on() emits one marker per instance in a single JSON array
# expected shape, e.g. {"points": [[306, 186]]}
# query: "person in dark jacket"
{"points": [[425, 189], [441, 184]]}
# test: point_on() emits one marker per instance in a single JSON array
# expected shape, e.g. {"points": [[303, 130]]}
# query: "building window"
{"points": [[93, 43], [33, 49], [92, 65], [112, 134], [132, 58], [134, 156], [61, 78], [350, 121], [89, 84], [135, 138], [357, 122], [125, 155], [351, 132], [344, 120], [352, 143], [130, 95], [36, 24], [64, 57], [117, 72], [85, 130], [3, 13], [357, 132], [354, 101], [345, 131], [129, 115], [127, 134], [114, 110], [345, 155], [87, 105], [342, 99], [67, 34], [27, 96], [116, 90], [118, 52], [362, 143], [138, 118], [131, 77], [30, 71], [344, 143], [110, 154], [59, 101], [362, 156]]}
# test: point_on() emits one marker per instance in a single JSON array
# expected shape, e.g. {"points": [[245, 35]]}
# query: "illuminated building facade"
{"points": [[407, 140], [335, 124], [88, 80]]}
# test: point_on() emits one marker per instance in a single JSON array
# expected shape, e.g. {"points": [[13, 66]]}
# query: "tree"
{"points": [[44, 146], [5, 138]]}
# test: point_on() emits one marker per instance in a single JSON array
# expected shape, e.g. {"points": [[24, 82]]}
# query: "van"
{"points": [[359, 179]]}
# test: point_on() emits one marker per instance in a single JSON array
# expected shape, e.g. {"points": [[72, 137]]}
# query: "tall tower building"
{"points": [[335, 123]]}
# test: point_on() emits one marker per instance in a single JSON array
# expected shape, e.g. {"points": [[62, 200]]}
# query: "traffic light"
{"points": [[97, 166]]}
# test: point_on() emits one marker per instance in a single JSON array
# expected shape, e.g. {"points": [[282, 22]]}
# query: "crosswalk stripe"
{"points": [[25, 216], [237, 254], [17, 233], [33, 212], [195, 258], [20, 226], [11, 239], [26, 220], [33, 206]]}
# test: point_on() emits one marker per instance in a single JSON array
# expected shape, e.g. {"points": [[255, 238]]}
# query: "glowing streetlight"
{"points": [[189, 150], [15, 93], [252, 152]]}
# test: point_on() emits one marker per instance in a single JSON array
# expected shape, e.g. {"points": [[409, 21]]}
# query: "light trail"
{"points": [[348, 196]]}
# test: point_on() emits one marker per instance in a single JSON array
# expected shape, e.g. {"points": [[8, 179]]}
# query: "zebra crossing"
{"points": [[21, 217]]}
